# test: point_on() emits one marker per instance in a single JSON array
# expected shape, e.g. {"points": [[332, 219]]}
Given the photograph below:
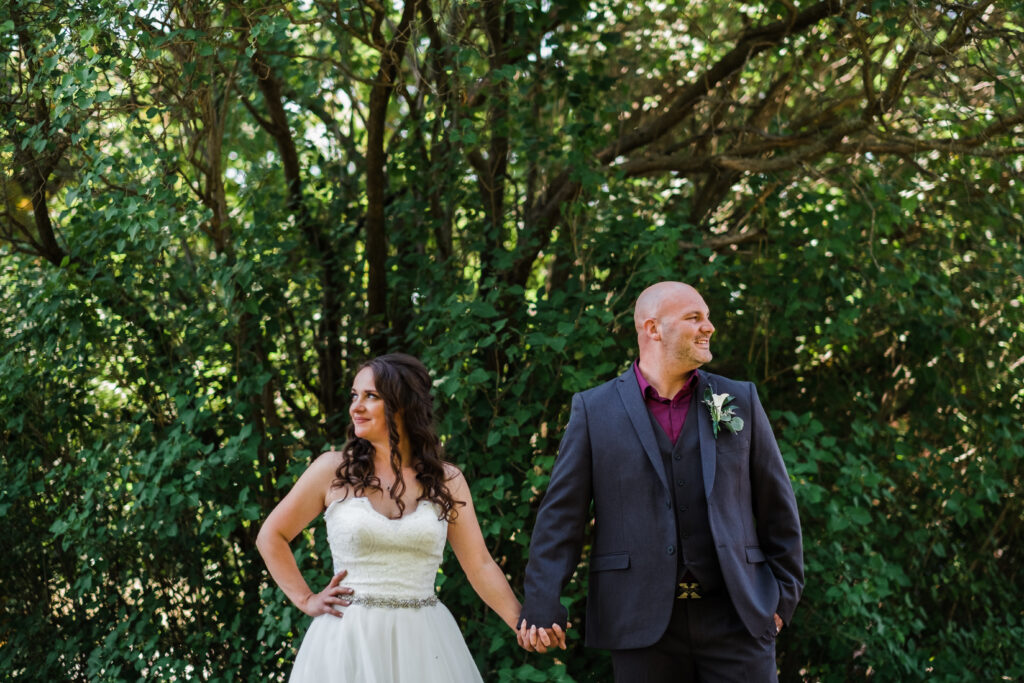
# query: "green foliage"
{"points": [[191, 267]]}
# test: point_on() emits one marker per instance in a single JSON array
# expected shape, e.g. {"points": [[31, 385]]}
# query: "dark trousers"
{"points": [[706, 642]]}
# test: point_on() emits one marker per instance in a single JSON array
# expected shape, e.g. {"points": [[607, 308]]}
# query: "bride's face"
{"points": [[367, 409]]}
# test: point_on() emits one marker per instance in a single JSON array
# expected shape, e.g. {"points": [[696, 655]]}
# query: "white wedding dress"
{"points": [[395, 630]]}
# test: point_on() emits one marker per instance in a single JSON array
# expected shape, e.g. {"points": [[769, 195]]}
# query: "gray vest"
{"points": [[682, 465]]}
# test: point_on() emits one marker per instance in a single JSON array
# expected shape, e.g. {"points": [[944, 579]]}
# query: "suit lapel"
{"points": [[629, 392], [708, 444]]}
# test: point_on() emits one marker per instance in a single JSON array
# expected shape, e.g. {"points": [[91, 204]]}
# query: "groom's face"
{"points": [[686, 331]]}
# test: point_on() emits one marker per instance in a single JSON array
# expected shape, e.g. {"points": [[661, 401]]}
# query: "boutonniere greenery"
{"points": [[722, 415]]}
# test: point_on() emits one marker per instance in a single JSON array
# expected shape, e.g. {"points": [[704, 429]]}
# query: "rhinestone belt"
{"points": [[392, 603]]}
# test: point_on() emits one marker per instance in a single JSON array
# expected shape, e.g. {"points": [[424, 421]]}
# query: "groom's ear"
{"points": [[652, 329]]}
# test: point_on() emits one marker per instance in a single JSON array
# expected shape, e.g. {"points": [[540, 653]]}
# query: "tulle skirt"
{"points": [[385, 645]]}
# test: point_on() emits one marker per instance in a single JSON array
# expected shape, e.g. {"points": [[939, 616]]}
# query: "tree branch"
{"points": [[376, 175], [754, 42]]}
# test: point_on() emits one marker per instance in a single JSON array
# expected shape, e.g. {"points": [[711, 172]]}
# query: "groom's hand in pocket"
{"points": [[327, 601]]}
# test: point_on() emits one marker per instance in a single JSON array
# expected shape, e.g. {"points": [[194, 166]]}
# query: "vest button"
{"points": [[681, 482], [677, 457], [671, 550]]}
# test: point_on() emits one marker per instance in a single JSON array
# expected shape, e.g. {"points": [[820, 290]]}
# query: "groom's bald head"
{"points": [[652, 300]]}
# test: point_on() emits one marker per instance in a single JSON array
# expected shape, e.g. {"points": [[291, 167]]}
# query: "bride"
{"points": [[389, 502]]}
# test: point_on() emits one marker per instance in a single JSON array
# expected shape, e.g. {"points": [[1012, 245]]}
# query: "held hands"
{"points": [[533, 639], [328, 600]]}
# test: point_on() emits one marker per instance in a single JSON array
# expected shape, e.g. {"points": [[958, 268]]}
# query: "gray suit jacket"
{"points": [[609, 457]]}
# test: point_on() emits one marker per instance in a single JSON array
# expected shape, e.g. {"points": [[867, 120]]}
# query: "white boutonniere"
{"points": [[721, 414]]}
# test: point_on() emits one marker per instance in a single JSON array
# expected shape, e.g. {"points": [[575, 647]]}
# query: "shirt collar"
{"points": [[648, 391]]}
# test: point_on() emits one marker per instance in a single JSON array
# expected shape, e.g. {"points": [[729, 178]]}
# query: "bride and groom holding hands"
{"points": [[696, 560]]}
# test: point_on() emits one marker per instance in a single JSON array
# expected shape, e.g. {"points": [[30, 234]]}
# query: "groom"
{"points": [[696, 560]]}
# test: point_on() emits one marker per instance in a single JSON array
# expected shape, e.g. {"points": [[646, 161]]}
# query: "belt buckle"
{"points": [[689, 590]]}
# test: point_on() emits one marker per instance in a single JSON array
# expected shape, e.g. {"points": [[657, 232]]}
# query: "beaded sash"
{"points": [[392, 603]]}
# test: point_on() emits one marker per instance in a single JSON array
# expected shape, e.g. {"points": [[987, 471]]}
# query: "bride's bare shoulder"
{"points": [[330, 459], [328, 463], [451, 471]]}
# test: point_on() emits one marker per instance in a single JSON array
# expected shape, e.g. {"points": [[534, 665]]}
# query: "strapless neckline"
{"points": [[366, 501]]}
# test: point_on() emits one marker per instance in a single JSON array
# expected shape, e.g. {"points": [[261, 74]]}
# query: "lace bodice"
{"points": [[386, 558]]}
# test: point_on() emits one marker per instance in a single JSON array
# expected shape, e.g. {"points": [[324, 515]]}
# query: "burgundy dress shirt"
{"points": [[670, 413]]}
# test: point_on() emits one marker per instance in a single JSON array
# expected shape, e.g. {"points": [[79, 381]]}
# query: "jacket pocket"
{"points": [[755, 554], [737, 445], [602, 563]]}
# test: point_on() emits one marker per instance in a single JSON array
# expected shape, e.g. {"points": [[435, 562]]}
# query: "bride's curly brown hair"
{"points": [[403, 383]]}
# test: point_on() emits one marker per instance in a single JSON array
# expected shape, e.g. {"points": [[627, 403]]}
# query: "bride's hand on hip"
{"points": [[328, 600]]}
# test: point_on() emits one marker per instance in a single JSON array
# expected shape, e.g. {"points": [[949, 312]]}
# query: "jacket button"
{"points": [[671, 550]]}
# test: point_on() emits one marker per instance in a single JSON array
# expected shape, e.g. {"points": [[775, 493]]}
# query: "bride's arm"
{"points": [[467, 541], [295, 511]]}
